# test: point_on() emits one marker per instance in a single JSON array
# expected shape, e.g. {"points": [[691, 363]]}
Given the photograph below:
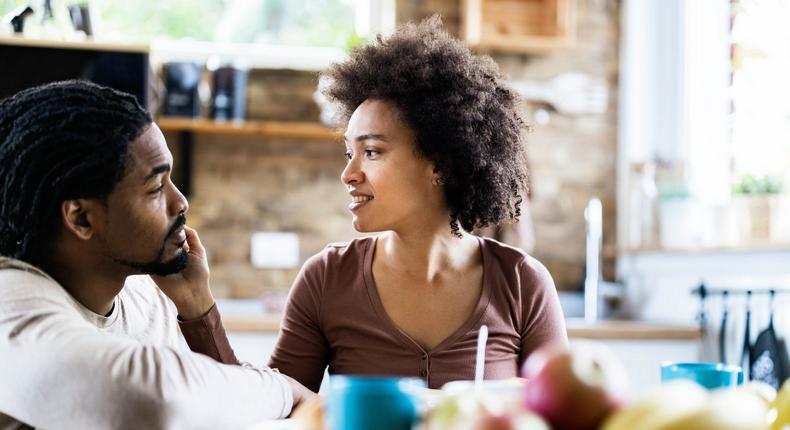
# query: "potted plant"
{"points": [[757, 201]]}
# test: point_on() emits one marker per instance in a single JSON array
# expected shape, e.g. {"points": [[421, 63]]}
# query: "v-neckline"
{"points": [[378, 306]]}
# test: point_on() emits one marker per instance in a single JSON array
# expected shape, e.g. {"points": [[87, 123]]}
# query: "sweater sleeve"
{"points": [[207, 336], [302, 352], [542, 318], [59, 371]]}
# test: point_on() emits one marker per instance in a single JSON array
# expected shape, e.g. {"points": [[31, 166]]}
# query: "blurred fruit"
{"points": [[526, 420], [470, 411], [745, 407], [762, 390], [728, 409], [684, 405], [502, 396], [454, 410], [486, 421], [660, 407], [782, 407], [576, 388]]}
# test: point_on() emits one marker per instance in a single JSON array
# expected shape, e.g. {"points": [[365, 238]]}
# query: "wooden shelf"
{"points": [[86, 44], [277, 129], [524, 26], [752, 247]]}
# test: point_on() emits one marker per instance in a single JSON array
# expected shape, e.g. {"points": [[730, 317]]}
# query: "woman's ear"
{"points": [[78, 217], [437, 178]]}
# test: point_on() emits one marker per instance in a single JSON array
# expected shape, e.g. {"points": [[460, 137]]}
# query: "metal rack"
{"points": [[704, 292]]}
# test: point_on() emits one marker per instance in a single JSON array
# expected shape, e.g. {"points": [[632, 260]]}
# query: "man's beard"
{"points": [[157, 266]]}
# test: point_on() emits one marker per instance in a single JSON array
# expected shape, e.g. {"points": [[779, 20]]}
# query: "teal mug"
{"points": [[708, 375], [364, 403]]}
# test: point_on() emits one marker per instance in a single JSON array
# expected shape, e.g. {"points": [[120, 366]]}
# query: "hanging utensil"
{"points": [[766, 363], [723, 328], [747, 346]]}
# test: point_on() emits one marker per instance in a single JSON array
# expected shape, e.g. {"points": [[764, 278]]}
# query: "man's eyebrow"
{"points": [[162, 168], [369, 136]]}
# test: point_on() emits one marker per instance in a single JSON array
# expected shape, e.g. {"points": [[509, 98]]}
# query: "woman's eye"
{"points": [[348, 155], [371, 152]]}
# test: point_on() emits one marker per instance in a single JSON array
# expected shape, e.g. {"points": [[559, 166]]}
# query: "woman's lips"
{"points": [[356, 205]]}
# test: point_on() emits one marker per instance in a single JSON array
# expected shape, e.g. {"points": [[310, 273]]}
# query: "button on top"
{"points": [[424, 356], [423, 373]]}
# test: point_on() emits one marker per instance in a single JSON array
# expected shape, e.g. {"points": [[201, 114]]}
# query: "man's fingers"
{"points": [[193, 241]]}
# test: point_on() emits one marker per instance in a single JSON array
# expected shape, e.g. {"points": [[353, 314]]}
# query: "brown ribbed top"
{"points": [[335, 318]]}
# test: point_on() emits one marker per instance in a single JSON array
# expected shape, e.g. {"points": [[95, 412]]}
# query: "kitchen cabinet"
{"points": [[28, 62], [523, 26]]}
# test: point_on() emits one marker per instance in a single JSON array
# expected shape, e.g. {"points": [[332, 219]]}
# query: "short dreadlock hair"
{"points": [[59, 141], [466, 120]]}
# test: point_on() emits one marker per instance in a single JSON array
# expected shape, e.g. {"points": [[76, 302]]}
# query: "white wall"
{"points": [[660, 284]]}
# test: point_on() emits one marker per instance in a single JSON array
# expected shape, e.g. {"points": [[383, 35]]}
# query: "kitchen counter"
{"points": [[631, 329], [577, 328], [640, 345]]}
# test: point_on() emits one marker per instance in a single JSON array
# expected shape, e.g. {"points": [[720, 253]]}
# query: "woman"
{"points": [[434, 150]]}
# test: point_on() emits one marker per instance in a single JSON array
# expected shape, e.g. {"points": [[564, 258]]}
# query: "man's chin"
{"points": [[164, 268], [175, 265]]}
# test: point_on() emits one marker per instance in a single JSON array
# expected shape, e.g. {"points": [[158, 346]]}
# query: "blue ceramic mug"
{"points": [[364, 403], [709, 375]]}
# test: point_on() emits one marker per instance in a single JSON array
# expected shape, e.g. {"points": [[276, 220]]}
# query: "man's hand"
{"points": [[189, 289], [300, 392], [310, 415]]}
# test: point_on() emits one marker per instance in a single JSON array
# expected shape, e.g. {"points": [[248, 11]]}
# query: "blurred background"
{"points": [[659, 148]]}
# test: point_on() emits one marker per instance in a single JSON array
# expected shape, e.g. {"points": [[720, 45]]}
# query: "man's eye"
{"points": [[158, 190]]}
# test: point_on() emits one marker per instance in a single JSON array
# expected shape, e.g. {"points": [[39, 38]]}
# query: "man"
{"points": [[86, 207]]}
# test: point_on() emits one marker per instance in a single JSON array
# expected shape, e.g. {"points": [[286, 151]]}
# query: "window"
{"points": [[313, 32], [704, 125], [761, 90], [319, 23]]}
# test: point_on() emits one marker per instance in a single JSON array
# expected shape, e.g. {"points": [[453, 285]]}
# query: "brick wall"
{"points": [[242, 185]]}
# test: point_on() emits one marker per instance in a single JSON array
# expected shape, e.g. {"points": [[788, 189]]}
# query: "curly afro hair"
{"points": [[466, 120]]}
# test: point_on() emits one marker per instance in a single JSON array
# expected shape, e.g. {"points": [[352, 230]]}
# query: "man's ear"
{"points": [[79, 217]]}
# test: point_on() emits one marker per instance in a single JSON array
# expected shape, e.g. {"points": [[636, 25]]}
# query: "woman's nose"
{"points": [[352, 174]]}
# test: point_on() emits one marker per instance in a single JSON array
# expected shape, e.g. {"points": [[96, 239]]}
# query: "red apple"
{"points": [[490, 422], [576, 388]]}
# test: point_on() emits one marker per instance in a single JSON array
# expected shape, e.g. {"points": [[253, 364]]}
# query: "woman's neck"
{"points": [[427, 252]]}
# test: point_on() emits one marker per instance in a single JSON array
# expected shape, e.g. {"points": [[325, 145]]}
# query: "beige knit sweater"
{"points": [[65, 367]]}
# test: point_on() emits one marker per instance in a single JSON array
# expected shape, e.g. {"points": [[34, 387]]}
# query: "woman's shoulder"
{"points": [[349, 249], [338, 265], [337, 255], [508, 255], [506, 258]]}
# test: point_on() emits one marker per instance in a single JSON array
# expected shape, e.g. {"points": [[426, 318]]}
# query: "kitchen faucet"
{"points": [[593, 216], [594, 285]]}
